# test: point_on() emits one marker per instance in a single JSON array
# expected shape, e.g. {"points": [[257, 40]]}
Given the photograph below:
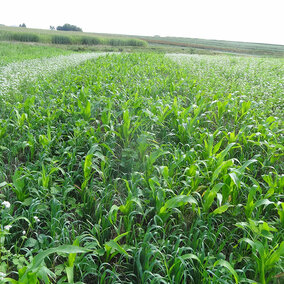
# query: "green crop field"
{"points": [[66, 38], [141, 168], [196, 45]]}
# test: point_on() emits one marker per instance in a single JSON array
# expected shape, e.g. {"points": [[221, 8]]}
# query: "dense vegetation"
{"points": [[68, 27], [12, 52], [144, 169], [65, 37], [14, 74]]}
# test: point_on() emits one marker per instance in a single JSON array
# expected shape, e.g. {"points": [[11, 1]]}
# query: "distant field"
{"points": [[219, 45], [114, 42], [65, 38], [206, 46]]}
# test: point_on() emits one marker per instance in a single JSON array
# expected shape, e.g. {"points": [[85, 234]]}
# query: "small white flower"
{"points": [[12, 75], [36, 219], [6, 204], [24, 232], [8, 227], [2, 275]]}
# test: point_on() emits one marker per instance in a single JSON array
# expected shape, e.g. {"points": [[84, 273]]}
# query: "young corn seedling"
{"points": [[265, 258], [126, 131], [37, 270]]}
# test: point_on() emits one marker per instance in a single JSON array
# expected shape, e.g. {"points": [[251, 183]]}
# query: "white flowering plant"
{"points": [[5, 216], [4, 231], [7, 223]]}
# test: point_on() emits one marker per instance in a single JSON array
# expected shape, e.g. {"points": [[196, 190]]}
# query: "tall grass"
{"points": [[91, 40], [18, 36], [61, 39], [67, 38], [125, 42], [137, 169], [25, 37]]}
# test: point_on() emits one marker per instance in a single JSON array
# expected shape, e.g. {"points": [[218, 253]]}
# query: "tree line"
{"points": [[68, 27], [65, 27]]}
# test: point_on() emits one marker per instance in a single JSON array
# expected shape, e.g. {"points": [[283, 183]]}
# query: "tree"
{"points": [[52, 28], [68, 27], [22, 25]]}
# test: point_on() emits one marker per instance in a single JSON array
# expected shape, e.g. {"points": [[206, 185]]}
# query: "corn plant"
{"points": [[165, 169]]}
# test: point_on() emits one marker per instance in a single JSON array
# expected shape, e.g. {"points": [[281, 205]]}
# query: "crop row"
{"points": [[137, 169]]}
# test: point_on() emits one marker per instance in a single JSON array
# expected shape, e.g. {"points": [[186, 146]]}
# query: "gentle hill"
{"points": [[65, 37], [208, 46], [147, 43], [219, 45]]}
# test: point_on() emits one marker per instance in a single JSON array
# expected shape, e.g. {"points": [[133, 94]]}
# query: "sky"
{"points": [[237, 20]]}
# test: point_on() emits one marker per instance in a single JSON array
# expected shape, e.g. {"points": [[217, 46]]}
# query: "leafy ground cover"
{"points": [[12, 52], [16, 73], [143, 169]]}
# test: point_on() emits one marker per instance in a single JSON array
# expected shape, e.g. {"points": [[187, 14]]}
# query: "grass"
{"points": [[12, 52], [65, 38], [144, 168]]}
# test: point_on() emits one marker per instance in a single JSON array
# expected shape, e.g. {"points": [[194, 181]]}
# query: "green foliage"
{"points": [[68, 27], [12, 52], [87, 40], [155, 172], [25, 37], [61, 39], [35, 271], [66, 38], [125, 42]]}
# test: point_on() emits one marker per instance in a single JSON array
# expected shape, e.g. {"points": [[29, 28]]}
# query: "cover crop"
{"points": [[132, 168], [13, 74]]}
